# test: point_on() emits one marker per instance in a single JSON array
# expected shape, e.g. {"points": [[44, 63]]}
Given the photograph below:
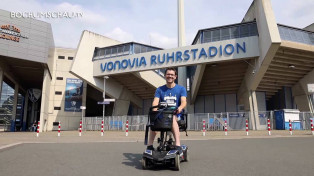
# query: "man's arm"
{"points": [[183, 104], [155, 103]]}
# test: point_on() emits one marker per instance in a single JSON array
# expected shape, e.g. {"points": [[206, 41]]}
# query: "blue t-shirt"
{"points": [[171, 95]]}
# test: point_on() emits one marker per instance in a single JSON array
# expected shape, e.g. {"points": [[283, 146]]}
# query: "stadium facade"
{"points": [[254, 66]]}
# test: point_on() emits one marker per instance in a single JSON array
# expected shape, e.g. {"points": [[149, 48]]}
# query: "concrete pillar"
{"points": [[16, 93], [33, 113], [44, 102], [181, 41], [25, 111], [300, 92], [1, 80], [252, 114], [121, 107], [121, 104], [84, 95], [181, 25], [104, 96], [254, 118]]}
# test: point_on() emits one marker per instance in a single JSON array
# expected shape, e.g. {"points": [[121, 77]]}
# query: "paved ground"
{"points": [[116, 154], [9, 138]]}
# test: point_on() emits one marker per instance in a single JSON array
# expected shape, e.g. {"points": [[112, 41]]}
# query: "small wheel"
{"points": [[187, 157], [177, 162], [144, 163]]}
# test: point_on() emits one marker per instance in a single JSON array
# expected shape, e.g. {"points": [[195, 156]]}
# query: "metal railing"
{"points": [[296, 35], [136, 123], [5, 123], [213, 121]]}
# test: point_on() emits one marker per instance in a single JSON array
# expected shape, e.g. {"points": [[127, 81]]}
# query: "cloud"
{"points": [[87, 17], [120, 35], [66, 31], [294, 13], [155, 22], [162, 41]]}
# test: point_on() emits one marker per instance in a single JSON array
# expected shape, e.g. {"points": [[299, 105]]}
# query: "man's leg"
{"points": [[151, 138], [175, 131]]}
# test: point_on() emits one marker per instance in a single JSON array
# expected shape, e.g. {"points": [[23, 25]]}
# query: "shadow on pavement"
{"points": [[133, 160]]}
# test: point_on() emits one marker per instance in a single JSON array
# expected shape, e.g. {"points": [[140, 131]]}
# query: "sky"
{"points": [[152, 22]]}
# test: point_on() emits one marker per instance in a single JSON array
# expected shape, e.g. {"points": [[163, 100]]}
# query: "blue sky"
{"points": [[152, 22]]}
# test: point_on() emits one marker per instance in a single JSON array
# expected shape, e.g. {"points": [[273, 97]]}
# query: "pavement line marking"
{"points": [[10, 145]]}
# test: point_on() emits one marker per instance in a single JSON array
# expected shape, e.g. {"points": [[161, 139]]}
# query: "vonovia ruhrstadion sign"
{"points": [[189, 55]]}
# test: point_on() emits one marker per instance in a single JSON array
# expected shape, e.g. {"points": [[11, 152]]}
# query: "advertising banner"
{"points": [[73, 95]]}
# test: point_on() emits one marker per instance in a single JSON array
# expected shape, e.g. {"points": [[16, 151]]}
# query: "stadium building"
{"points": [[250, 67]]}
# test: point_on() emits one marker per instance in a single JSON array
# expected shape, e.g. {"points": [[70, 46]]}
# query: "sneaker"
{"points": [[150, 147], [179, 149]]}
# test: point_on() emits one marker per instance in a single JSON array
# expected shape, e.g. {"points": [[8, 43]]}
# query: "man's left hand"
{"points": [[179, 110]]}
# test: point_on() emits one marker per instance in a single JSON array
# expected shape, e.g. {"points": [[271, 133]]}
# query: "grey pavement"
{"points": [[232, 155], [8, 139]]}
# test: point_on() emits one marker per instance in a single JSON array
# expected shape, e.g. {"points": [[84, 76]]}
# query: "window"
{"points": [[216, 35], [58, 92], [126, 49], [107, 52], [207, 37], [225, 34], [253, 29], [244, 31], [234, 32], [137, 49], [114, 51], [70, 58], [57, 108], [120, 50], [61, 57], [59, 78], [143, 49]]}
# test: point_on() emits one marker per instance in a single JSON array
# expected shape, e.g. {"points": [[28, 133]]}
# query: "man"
{"points": [[176, 96]]}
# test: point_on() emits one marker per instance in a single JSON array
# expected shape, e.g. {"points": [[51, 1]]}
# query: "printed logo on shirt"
{"points": [[171, 100]]}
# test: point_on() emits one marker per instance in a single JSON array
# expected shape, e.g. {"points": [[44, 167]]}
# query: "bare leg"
{"points": [[175, 131], [152, 135]]}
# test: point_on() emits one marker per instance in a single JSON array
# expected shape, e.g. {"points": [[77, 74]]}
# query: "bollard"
{"points": [[102, 128], [59, 129], [226, 128], [203, 127], [247, 127], [80, 130], [312, 129], [127, 128], [290, 127], [38, 129], [268, 126]]}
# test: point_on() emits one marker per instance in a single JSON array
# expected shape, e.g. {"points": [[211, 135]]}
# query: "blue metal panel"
{"points": [[280, 120]]}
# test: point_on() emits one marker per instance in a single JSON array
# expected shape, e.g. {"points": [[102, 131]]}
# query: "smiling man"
{"points": [[173, 95]]}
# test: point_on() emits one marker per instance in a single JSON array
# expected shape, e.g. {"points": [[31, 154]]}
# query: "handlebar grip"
{"points": [[151, 108]]}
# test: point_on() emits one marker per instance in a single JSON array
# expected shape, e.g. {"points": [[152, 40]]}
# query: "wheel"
{"points": [[177, 162], [144, 163], [186, 156]]}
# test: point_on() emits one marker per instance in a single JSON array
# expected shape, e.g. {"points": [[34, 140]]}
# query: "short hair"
{"points": [[172, 69]]}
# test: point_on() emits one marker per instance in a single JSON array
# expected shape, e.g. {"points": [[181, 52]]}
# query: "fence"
{"points": [[303, 121], [136, 123], [5, 124], [213, 121]]}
